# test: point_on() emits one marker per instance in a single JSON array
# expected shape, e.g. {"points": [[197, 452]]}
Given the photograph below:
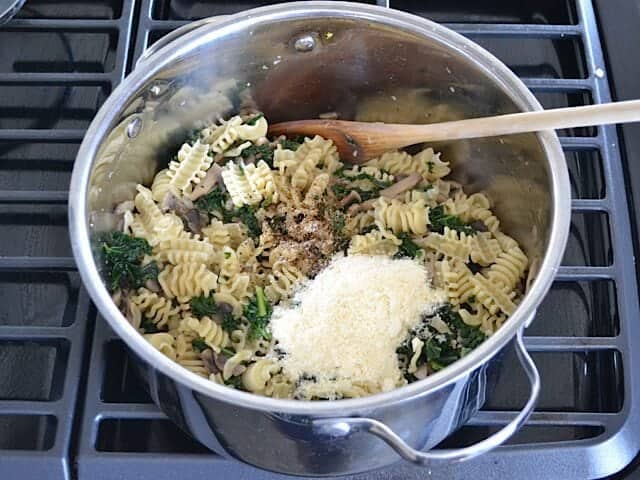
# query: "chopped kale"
{"points": [[288, 144], [345, 185], [121, 256], [206, 307], [341, 190], [229, 322], [148, 272], [214, 203], [203, 306], [235, 382], [259, 152], [469, 336], [258, 313], [247, 215], [442, 349], [253, 120], [439, 219], [407, 248], [228, 352], [380, 184], [432, 350], [148, 326], [199, 345]]}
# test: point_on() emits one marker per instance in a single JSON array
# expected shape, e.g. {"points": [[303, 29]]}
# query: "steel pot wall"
{"points": [[301, 60]]}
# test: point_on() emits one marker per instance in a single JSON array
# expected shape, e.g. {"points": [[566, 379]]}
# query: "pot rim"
{"points": [[115, 103]]}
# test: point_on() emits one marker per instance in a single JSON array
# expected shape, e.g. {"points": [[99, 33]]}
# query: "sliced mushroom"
{"points": [[421, 372], [224, 307], [479, 225], [207, 357], [185, 209], [394, 191], [220, 360], [401, 186], [152, 285], [210, 180], [349, 199]]}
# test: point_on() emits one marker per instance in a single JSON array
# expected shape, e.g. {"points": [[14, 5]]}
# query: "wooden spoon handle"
{"points": [[616, 112]]}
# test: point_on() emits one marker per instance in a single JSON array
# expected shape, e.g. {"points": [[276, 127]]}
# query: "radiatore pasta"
{"points": [[238, 225]]}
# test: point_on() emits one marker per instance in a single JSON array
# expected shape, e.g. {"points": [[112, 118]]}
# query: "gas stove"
{"points": [[71, 407]]}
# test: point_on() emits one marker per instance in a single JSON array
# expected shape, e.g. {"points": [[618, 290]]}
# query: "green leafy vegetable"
{"points": [[381, 184], [258, 313], [442, 349], [203, 306], [408, 247], [149, 271], [470, 337], [228, 352], [215, 204], [288, 144], [199, 345], [235, 382], [229, 322], [439, 219], [259, 152], [345, 186], [253, 120], [341, 190], [247, 215], [148, 326], [206, 307], [122, 255]]}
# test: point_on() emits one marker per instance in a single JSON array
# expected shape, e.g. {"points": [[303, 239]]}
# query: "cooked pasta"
{"points": [[267, 217]]}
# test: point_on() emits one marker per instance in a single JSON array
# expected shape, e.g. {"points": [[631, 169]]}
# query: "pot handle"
{"points": [[347, 425], [175, 34]]}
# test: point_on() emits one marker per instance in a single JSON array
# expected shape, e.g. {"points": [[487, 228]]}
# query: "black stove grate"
{"points": [[54, 73], [70, 411]]}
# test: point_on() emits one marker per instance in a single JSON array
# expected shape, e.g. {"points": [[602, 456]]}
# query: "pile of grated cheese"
{"points": [[345, 325]]}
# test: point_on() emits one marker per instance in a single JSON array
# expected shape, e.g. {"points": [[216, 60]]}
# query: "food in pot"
{"points": [[270, 266]]}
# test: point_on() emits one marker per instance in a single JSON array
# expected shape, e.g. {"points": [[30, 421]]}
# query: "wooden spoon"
{"points": [[358, 142]]}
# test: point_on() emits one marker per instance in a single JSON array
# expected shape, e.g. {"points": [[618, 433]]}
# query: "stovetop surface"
{"points": [[70, 406]]}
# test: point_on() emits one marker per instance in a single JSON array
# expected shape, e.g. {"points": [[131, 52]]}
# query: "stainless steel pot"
{"points": [[300, 60]]}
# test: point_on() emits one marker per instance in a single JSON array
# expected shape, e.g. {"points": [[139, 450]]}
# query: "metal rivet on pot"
{"points": [[305, 43], [134, 127]]}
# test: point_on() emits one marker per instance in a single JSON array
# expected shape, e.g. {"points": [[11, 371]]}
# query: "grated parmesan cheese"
{"points": [[343, 327]]}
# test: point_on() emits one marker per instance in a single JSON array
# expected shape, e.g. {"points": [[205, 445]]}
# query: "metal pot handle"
{"points": [[175, 34], [347, 425]]}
